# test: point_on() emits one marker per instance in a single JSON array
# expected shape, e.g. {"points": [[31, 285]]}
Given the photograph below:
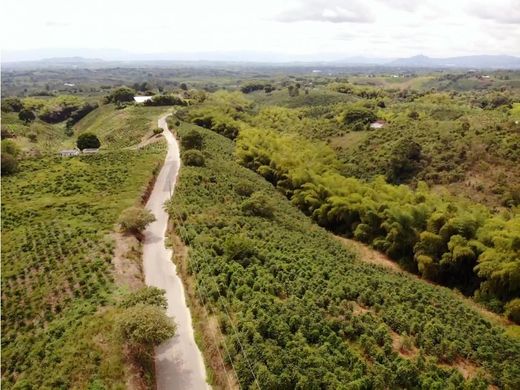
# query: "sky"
{"points": [[321, 29]]}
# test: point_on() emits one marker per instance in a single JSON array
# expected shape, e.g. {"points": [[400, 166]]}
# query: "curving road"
{"points": [[178, 361]]}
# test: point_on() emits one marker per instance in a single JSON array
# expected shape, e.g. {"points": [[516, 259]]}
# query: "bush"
{"points": [[135, 219], [9, 147], [158, 130], [81, 112], [192, 140], [7, 133], [361, 116], [259, 204], [9, 164], [144, 326], [244, 188], [87, 141], [240, 249], [405, 161], [62, 107], [253, 86], [512, 310], [165, 100], [121, 95], [147, 296], [33, 137], [26, 116], [193, 158], [12, 104]]}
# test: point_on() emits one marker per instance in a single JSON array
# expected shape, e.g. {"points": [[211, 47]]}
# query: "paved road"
{"points": [[178, 361]]}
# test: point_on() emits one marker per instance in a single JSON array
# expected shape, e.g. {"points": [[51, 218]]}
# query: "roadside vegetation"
{"points": [[56, 267], [65, 322]]}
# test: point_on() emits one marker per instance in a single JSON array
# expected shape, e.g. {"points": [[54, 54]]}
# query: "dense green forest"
{"points": [[299, 311]]}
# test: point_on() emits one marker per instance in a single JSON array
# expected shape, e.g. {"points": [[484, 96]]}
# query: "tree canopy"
{"points": [[121, 95], [88, 141], [135, 219]]}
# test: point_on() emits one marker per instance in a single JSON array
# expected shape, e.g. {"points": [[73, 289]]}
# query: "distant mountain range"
{"points": [[479, 61], [106, 57]]}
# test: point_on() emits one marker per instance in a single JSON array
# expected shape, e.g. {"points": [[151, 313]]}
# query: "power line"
{"points": [[177, 216]]}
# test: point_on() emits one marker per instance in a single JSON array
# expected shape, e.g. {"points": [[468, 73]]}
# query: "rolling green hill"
{"points": [[298, 310], [59, 296]]}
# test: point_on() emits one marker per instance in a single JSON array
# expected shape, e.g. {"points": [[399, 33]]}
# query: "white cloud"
{"points": [[341, 28], [52, 23], [501, 11], [334, 11]]}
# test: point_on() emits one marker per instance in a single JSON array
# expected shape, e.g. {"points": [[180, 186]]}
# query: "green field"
{"points": [[58, 292], [298, 310], [119, 128]]}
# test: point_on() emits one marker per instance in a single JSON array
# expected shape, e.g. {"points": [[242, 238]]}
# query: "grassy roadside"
{"points": [[208, 335]]}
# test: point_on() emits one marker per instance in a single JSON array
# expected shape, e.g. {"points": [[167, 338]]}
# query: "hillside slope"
{"points": [[297, 310], [59, 294]]}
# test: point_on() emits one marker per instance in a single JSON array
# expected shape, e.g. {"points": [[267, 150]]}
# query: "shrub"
{"points": [[121, 95], [12, 104], [405, 161], [81, 112], [413, 115], [253, 86], [259, 204], [9, 147], [361, 115], [61, 107], [192, 140], [143, 326], [228, 128], [26, 116], [33, 137], [7, 133], [9, 164], [240, 249], [135, 219], [147, 296], [158, 130], [244, 188], [165, 100], [193, 158], [88, 140], [512, 310]]}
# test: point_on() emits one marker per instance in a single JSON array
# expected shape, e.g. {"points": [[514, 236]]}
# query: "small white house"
{"points": [[90, 151], [69, 152], [142, 99], [377, 124]]}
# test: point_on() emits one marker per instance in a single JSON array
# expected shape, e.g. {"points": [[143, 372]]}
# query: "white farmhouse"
{"points": [[377, 124], [69, 152], [142, 99]]}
